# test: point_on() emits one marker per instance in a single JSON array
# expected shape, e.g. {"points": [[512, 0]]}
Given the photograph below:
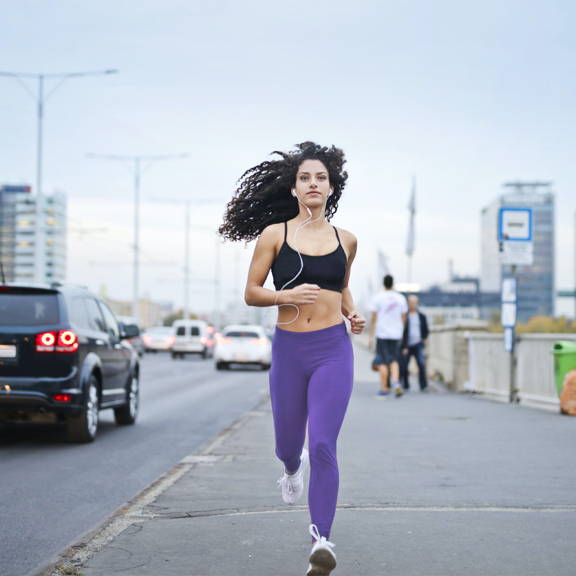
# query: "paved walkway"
{"points": [[431, 485]]}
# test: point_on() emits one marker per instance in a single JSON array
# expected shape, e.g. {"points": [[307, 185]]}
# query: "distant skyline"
{"points": [[463, 96]]}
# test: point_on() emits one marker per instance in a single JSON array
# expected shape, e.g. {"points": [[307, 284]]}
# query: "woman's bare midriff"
{"points": [[325, 312]]}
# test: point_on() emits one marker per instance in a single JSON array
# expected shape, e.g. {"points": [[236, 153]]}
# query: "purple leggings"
{"points": [[311, 382]]}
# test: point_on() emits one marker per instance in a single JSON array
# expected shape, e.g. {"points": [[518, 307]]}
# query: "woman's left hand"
{"points": [[357, 322]]}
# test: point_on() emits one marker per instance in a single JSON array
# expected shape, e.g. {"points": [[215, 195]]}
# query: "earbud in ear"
{"points": [[294, 193], [331, 192]]}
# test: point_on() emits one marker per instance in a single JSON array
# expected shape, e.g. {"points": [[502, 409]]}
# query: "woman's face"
{"points": [[312, 183]]}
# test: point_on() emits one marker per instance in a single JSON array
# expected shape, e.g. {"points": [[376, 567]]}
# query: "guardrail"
{"points": [[469, 359]]}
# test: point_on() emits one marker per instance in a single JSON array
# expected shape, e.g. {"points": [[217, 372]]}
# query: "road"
{"points": [[53, 491]]}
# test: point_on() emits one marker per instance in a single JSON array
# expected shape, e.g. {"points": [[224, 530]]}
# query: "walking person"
{"points": [[413, 342], [387, 322], [287, 203]]}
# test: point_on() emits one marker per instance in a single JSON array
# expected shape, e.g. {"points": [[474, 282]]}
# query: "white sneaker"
{"points": [[322, 559], [293, 484]]}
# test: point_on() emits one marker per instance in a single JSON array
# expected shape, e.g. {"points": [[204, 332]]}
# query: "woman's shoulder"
{"points": [[346, 236], [273, 233]]}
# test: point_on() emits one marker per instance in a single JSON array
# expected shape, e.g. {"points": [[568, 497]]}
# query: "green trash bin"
{"points": [[564, 360]]}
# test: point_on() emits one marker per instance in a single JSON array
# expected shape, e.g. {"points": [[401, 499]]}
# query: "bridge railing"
{"points": [[467, 358]]}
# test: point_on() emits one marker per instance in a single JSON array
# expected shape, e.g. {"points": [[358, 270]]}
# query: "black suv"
{"points": [[64, 357]]}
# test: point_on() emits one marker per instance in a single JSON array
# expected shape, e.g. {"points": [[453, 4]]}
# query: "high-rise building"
{"points": [[18, 234], [536, 282]]}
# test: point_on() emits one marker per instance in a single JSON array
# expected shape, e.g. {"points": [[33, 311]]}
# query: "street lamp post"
{"points": [[137, 169], [39, 253], [187, 203]]}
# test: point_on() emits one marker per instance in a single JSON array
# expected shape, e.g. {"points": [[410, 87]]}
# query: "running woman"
{"points": [[287, 203]]}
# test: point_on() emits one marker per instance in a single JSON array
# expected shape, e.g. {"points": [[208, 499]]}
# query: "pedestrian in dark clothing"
{"points": [[413, 341]]}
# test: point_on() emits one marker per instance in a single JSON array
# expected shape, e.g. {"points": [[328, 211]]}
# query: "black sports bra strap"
{"points": [[285, 231], [337, 235]]}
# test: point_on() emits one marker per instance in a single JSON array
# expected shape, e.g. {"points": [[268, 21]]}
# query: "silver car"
{"points": [[158, 338], [243, 345]]}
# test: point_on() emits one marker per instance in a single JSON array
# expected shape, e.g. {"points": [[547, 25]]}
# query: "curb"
{"points": [[71, 560]]}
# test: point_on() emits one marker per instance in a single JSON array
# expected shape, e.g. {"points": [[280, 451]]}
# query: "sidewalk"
{"points": [[431, 485]]}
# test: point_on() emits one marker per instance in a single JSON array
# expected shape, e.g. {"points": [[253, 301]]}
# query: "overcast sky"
{"points": [[464, 95]]}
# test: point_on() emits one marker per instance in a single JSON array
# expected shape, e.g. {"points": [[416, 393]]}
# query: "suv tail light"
{"points": [[64, 341]]}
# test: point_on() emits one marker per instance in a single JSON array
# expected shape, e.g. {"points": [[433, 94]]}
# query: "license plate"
{"points": [[7, 351]]}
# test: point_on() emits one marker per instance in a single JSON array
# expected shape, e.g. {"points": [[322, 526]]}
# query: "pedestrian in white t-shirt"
{"points": [[388, 319]]}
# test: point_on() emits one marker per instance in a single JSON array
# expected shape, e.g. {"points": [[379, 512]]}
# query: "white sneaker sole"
{"points": [[322, 562], [304, 465]]}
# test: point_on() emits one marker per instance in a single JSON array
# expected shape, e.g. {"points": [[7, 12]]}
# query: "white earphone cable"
{"points": [[308, 220]]}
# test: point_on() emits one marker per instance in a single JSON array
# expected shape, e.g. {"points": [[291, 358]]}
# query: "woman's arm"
{"points": [[264, 253], [357, 321]]}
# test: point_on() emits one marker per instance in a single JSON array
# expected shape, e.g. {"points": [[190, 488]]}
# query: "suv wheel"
{"points": [[128, 413], [84, 426]]}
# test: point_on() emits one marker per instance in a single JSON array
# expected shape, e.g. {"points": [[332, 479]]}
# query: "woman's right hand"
{"points": [[303, 294]]}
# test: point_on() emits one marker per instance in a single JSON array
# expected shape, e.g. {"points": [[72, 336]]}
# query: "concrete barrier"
{"points": [[467, 358], [447, 354], [534, 378]]}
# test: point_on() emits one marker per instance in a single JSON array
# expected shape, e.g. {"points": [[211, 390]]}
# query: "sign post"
{"points": [[516, 249], [508, 320]]}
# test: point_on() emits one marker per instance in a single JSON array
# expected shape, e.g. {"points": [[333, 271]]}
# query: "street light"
{"points": [[39, 255], [137, 169]]}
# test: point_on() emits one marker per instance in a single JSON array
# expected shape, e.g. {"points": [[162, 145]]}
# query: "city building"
{"points": [[459, 300], [150, 313], [18, 236], [536, 284]]}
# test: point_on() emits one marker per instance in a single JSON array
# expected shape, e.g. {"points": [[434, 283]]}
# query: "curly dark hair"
{"points": [[263, 194]]}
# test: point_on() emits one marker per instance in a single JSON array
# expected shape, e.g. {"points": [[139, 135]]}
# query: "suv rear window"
{"points": [[28, 309], [242, 334]]}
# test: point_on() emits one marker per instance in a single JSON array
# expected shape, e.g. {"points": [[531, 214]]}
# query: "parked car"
{"points": [[133, 333], [244, 345], [192, 337], [158, 338], [63, 357]]}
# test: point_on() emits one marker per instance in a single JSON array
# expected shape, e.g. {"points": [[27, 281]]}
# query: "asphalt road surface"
{"points": [[52, 492]]}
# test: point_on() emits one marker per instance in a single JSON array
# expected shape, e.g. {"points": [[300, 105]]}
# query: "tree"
{"points": [[178, 315], [546, 324]]}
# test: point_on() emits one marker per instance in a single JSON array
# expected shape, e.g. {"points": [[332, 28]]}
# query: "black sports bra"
{"points": [[327, 271]]}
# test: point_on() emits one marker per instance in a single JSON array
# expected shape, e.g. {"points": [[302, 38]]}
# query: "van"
{"points": [[190, 337]]}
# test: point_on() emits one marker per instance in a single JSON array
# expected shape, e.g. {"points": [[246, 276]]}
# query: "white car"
{"points": [[243, 344], [191, 337]]}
